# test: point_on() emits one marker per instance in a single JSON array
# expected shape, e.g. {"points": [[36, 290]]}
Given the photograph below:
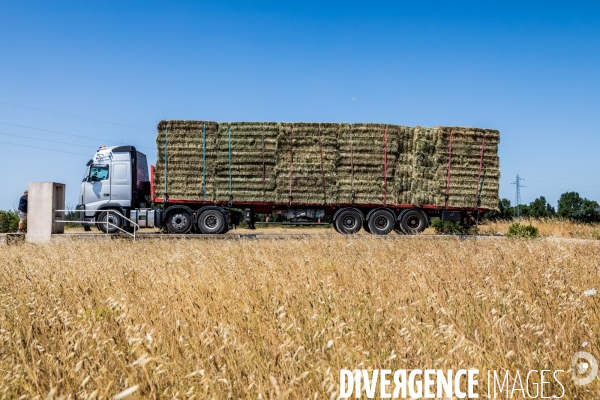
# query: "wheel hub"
{"points": [[179, 221], [381, 222], [349, 222], [413, 222], [211, 221]]}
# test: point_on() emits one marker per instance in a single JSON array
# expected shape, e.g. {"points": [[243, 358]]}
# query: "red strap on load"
{"points": [[322, 166], [479, 174], [385, 165], [449, 164], [291, 162], [263, 163]]}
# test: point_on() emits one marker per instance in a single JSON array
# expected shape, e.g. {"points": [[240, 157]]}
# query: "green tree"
{"points": [[504, 211], [571, 205], [539, 208]]}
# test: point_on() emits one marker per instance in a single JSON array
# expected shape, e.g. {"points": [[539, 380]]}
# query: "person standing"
{"points": [[22, 211]]}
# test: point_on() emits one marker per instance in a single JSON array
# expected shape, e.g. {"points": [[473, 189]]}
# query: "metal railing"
{"points": [[107, 222]]}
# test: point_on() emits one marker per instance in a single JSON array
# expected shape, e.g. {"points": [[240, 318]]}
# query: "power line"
{"points": [[42, 148], [46, 140], [76, 116], [68, 134]]}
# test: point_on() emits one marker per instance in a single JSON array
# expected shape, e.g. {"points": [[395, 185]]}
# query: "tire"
{"points": [[112, 218], [413, 222], [381, 222], [211, 222], [348, 221], [336, 228], [179, 221]]}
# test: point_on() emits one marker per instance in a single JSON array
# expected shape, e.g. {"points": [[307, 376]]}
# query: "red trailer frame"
{"points": [[267, 207]]}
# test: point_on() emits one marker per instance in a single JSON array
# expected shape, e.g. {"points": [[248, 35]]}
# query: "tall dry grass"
{"points": [[280, 318], [549, 227]]}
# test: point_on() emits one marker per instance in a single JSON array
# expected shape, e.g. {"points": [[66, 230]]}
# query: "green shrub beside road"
{"points": [[521, 230], [9, 221]]}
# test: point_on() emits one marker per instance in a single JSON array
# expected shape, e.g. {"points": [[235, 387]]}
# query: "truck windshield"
{"points": [[98, 173]]}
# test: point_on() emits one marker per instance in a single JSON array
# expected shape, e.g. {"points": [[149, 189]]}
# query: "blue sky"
{"points": [[529, 69]]}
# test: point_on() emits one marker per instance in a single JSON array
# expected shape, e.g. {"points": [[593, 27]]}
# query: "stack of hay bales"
{"points": [[464, 167], [404, 166], [299, 149], [423, 183], [361, 166], [184, 168], [248, 156], [350, 172]]}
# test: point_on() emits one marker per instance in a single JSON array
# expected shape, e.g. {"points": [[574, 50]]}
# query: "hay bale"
{"points": [[299, 148], [249, 182], [464, 171], [352, 169], [184, 160], [361, 167]]}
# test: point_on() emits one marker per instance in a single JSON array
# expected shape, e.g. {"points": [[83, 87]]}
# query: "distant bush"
{"points": [[520, 230], [449, 227], [9, 221]]}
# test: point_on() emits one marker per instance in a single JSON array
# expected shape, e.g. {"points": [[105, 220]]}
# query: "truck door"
{"points": [[121, 183], [97, 186]]}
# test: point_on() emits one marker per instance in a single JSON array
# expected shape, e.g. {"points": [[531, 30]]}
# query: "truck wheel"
{"points": [[211, 222], [112, 218], [179, 221], [381, 222], [336, 228], [413, 222], [348, 221]]}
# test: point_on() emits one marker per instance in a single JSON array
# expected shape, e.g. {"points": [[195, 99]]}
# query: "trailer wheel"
{"points": [[336, 228], [413, 222], [179, 221], [348, 221], [112, 218], [211, 222], [381, 222]]}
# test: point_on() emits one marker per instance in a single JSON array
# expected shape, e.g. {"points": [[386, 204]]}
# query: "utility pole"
{"points": [[518, 196]]}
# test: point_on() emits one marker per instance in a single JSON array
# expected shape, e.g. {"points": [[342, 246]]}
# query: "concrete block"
{"points": [[44, 198]]}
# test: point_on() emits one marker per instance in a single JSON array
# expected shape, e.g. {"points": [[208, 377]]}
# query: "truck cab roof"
{"points": [[105, 153]]}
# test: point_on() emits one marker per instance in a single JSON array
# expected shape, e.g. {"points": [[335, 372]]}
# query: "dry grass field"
{"points": [[551, 227], [548, 228], [279, 318]]}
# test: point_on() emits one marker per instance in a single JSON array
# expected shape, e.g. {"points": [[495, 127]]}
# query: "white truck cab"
{"points": [[116, 179]]}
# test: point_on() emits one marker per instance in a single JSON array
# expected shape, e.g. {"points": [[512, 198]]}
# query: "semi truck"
{"points": [[118, 193]]}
